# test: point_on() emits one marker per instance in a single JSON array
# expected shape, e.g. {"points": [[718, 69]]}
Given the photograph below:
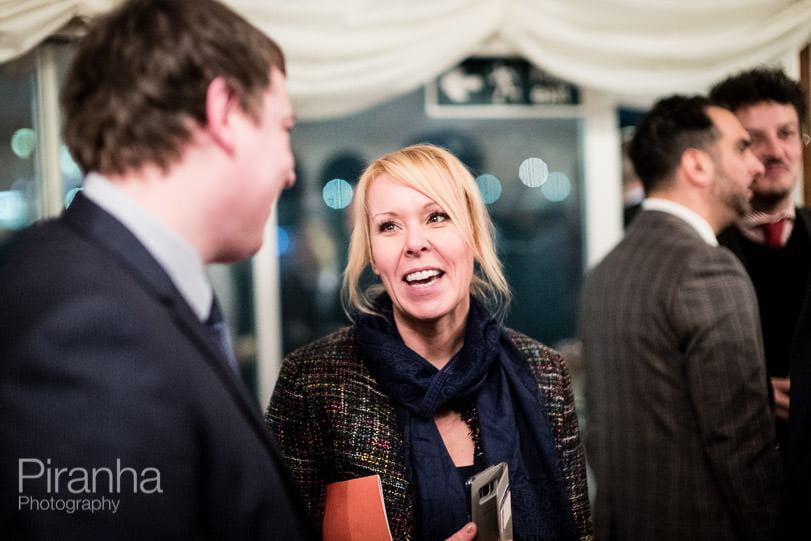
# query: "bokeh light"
{"points": [[282, 240], [557, 187], [69, 168], [70, 195], [533, 172], [337, 193], [490, 188], [12, 209], [24, 142]]}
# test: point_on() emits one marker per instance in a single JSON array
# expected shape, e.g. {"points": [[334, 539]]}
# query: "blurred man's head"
{"points": [[138, 83], [696, 153], [184, 104], [673, 125], [772, 108]]}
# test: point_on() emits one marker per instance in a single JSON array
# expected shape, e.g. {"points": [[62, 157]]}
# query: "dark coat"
{"points": [[104, 365]]}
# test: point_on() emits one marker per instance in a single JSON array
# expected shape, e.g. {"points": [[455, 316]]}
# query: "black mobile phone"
{"points": [[489, 504]]}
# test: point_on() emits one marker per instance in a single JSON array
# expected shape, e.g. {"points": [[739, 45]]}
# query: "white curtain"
{"points": [[25, 23], [346, 56]]}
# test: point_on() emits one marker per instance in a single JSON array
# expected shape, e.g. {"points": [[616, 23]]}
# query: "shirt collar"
{"points": [[757, 218], [695, 221], [177, 257]]}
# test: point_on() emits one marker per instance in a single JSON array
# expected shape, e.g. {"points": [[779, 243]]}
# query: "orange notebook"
{"points": [[355, 511]]}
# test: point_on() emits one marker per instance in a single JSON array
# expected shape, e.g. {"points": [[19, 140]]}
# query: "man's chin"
{"points": [[766, 198], [742, 208], [235, 254]]}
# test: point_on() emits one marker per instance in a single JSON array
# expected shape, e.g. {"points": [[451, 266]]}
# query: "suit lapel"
{"points": [[103, 230], [803, 216]]}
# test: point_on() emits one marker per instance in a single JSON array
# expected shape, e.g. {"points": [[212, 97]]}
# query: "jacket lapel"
{"points": [[95, 224], [803, 216]]}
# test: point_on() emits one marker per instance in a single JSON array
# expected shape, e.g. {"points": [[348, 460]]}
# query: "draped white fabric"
{"points": [[345, 56], [25, 23]]}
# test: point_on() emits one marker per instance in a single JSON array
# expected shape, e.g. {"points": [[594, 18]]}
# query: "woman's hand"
{"points": [[467, 533]]}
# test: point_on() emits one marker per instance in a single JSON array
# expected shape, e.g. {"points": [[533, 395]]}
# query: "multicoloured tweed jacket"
{"points": [[334, 423]]}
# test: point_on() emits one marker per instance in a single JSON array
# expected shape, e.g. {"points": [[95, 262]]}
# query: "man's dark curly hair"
{"points": [[760, 84]]}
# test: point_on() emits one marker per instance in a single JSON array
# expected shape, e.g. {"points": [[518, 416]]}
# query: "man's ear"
{"points": [[221, 104], [698, 166]]}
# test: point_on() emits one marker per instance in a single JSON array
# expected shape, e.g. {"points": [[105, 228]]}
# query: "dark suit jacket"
{"points": [[798, 478], [780, 289], [104, 365], [679, 432], [780, 277]]}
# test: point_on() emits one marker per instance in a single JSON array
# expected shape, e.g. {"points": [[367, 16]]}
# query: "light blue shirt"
{"points": [[702, 227], [177, 257]]}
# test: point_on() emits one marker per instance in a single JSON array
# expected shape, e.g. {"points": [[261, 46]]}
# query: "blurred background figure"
{"points": [[680, 435], [773, 240]]}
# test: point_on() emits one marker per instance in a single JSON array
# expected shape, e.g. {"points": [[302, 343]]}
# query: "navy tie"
{"points": [[219, 330]]}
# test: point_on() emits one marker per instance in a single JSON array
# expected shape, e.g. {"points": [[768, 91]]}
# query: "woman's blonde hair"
{"points": [[439, 175]]}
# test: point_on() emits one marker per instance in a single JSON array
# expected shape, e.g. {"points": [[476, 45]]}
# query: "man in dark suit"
{"points": [[797, 501], [773, 241], [121, 415], [679, 432]]}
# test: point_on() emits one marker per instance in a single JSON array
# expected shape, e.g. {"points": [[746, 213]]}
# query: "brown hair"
{"points": [[139, 80]]}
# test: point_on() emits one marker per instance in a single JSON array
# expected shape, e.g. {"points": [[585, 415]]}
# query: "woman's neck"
{"points": [[437, 341]]}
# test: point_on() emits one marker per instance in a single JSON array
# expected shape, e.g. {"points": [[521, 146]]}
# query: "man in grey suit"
{"points": [[679, 431]]}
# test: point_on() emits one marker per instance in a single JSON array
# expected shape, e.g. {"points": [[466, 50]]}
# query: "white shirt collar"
{"points": [[695, 221], [177, 257]]}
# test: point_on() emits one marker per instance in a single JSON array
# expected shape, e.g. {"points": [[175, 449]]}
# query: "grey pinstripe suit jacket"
{"points": [[679, 430]]}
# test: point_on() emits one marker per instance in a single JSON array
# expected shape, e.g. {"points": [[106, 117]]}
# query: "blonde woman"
{"points": [[427, 387]]}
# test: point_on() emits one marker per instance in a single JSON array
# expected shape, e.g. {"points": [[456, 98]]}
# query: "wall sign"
{"points": [[497, 87]]}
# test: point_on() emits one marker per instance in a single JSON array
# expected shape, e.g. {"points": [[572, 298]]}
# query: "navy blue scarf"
{"points": [[493, 374]]}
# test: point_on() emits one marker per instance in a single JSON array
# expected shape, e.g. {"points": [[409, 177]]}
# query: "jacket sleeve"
{"points": [[555, 385], [289, 419], [716, 309]]}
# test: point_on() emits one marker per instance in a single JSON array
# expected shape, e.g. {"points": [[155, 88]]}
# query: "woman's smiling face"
{"points": [[422, 259]]}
